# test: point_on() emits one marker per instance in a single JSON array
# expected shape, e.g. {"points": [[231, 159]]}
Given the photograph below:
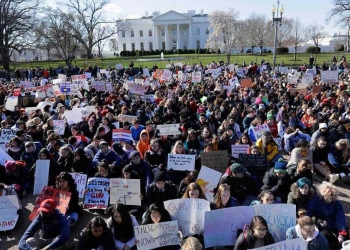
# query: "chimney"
{"points": [[202, 11], [146, 14]]}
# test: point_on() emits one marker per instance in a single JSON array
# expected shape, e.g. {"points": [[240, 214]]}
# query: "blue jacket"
{"points": [[318, 242], [335, 157], [111, 157], [56, 227], [332, 212], [135, 133]]}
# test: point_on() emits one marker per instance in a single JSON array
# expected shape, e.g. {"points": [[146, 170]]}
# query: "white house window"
{"points": [[184, 31], [198, 31], [198, 44], [141, 33], [133, 46], [150, 46], [149, 32], [173, 32], [163, 32], [124, 46], [132, 34], [141, 46], [123, 33]]}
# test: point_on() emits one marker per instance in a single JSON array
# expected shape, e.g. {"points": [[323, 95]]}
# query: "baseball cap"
{"points": [[47, 205]]}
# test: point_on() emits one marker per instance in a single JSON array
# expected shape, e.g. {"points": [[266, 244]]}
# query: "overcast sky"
{"points": [[308, 10]]}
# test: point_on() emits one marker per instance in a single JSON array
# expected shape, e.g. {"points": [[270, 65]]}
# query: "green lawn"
{"points": [[190, 58]]}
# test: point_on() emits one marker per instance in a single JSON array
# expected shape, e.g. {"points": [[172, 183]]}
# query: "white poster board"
{"points": [[59, 126], [41, 175], [329, 76], [4, 157], [6, 135], [153, 236], [169, 129], [181, 162], [208, 179], [294, 244], [11, 102], [8, 212], [97, 195], [126, 191], [80, 180], [260, 129], [167, 75], [189, 212], [239, 149]]}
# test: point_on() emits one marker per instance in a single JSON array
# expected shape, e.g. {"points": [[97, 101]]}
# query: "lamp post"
{"points": [[275, 21]]}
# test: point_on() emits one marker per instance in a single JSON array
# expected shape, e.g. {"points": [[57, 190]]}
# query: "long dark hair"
{"points": [[254, 222], [95, 222], [123, 231], [67, 177], [159, 207]]}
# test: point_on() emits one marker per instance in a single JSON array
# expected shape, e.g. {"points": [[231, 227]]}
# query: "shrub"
{"points": [[339, 47], [312, 49], [282, 50]]}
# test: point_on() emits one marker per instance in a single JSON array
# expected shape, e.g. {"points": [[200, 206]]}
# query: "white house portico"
{"points": [[168, 31]]}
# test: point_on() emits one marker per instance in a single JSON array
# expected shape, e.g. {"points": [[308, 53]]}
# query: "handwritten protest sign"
{"points": [[59, 126], [169, 129], [239, 149], [80, 180], [216, 160], [284, 70], [189, 213], [6, 135], [158, 74], [219, 231], [167, 75], [307, 78], [181, 162], [246, 83], [11, 102], [4, 157], [41, 175], [136, 89], [293, 244], [126, 191], [329, 76], [121, 135], [208, 179], [255, 164], [8, 212], [62, 199], [259, 130], [147, 97], [99, 86], [145, 71], [127, 118], [152, 236], [73, 116], [97, 196], [196, 76]]}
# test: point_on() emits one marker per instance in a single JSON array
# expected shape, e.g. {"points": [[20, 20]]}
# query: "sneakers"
{"points": [[333, 178]]}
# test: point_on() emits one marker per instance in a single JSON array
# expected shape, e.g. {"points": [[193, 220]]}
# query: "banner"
{"points": [[65, 88], [329, 76], [196, 76], [99, 86], [136, 89], [189, 213], [294, 244], [59, 126], [239, 149], [181, 162], [73, 116], [144, 98], [8, 212], [126, 191], [6, 135], [307, 78], [97, 195], [41, 175], [121, 135], [127, 118], [208, 179], [169, 129], [62, 199], [80, 180], [259, 130], [153, 236], [217, 160]]}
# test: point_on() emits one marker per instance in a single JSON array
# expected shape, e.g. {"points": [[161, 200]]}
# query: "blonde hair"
{"points": [[194, 186], [325, 187], [221, 189], [344, 143], [191, 243], [178, 143]]}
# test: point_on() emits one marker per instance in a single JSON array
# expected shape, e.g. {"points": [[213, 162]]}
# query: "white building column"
{"points": [[154, 37], [166, 36], [178, 36], [189, 36]]}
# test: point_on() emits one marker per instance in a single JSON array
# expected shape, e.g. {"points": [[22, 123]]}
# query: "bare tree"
{"points": [[113, 44], [225, 31], [341, 14], [285, 32], [250, 35], [298, 34], [17, 20], [86, 18], [315, 32], [263, 30]]}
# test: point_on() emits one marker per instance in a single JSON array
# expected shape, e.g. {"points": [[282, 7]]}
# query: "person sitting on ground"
{"points": [[300, 170], [113, 160], [267, 146], [160, 190], [292, 136], [301, 150], [54, 227], [223, 198], [191, 177], [265, 197]]}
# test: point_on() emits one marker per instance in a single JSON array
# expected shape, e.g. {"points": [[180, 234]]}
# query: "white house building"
{"points": [[169, 31]]}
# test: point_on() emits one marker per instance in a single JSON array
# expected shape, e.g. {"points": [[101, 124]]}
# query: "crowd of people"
{"points": [[314, 129]]}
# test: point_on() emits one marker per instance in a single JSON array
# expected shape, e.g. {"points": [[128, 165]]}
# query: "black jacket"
{"points": [[154, 195], [279, 187], [87, 241]]}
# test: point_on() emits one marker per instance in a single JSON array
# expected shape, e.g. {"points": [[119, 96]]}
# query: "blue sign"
{"points": [[65, 88]]}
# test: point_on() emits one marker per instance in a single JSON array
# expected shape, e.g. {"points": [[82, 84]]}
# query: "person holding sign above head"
{"points": [[122, 226], [223, 198], [256, 235], [53, 226], [306, 229], [96, 236]]}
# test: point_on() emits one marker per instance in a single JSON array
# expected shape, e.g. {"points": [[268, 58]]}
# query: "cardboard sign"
{"points": [[88, 75], [259, 130], [217, 160], [158, 74], [73, 116], [169, 129], [126, 191], [11, 102], [153, 236], [255, 164], [284, 70], [121, 135], [80, 180], [234, 82], [41, 175], [97, 196], [127, 118], [59, 126], [208, 179], [316, 89], [239, 149], [99, 86], [62, 199], [329, 76], [6, 135], [62, 76], [181, 162], [189, 213], [293, 244], [221, 231], [247, 82], [8, 212]]}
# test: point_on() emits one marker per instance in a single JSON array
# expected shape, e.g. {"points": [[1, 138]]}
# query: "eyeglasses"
{"points": [[261, 230]]}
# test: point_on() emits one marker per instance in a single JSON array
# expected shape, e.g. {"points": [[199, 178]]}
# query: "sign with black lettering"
{"points": [[255, 164]]}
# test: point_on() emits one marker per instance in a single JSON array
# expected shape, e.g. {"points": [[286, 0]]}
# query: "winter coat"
{"points": [[249, 242], [300, 201], [279, 187], [154, 195], [271, 151], [142, 146], [231, 203], [111, 157], [292, 171], [296, 156], [87, 241], [316, 242]]}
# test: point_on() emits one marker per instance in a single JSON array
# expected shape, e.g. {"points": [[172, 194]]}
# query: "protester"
{"points": [[160, 190], [223, 198], [265, 197]]}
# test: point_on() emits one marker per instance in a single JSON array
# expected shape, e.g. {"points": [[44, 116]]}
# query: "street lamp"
{"points": [[276, 20]]}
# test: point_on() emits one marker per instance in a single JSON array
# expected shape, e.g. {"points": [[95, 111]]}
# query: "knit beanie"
{"points": [[280, 166]]}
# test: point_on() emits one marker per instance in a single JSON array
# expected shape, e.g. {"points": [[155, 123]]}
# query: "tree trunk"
{"points": [[228, 56], [261, 47], [295, 53], [316, 54], [5, 57]]}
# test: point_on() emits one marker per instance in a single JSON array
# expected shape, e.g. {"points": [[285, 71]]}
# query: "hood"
{"points": [[298, 231], [144, 131], [296, 194]]}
